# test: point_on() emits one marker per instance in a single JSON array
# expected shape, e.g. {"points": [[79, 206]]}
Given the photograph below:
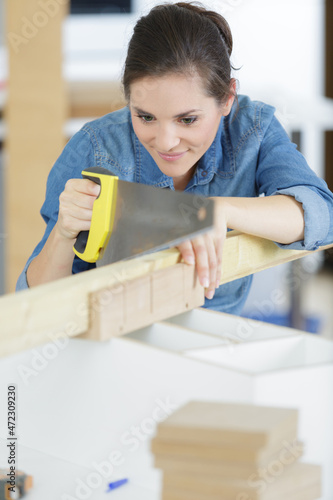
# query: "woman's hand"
{"points": [[278, 218], [75, 207], [206, 251], [75, 211]]}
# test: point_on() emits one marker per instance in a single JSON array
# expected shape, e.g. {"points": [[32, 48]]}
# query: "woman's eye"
{"points": [[146, 118], [189, 120]]}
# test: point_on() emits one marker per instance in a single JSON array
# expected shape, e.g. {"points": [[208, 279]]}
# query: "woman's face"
{"points": [[175, 121]]}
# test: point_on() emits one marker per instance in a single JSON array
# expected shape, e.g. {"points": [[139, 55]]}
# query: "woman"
{"points": [[185, 128]]}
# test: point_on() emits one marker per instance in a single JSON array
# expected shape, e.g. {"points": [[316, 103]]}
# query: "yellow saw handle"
{"points": [[90, 245]]}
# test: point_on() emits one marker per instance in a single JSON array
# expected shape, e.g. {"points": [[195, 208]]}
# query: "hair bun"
{"points": [[217, 19]]}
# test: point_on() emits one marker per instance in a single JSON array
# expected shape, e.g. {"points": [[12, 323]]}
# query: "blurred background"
{"points": [[60, 66]]}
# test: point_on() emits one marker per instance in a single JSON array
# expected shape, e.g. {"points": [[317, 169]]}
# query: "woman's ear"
{"points": [[229, 102]]}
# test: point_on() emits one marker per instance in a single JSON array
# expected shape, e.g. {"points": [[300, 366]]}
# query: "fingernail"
{"points": [[217, 283], [205, 282], [210, 295], [189, 259]]}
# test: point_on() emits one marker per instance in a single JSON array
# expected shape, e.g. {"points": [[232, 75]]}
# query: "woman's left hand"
{"points": [[206, 250]]}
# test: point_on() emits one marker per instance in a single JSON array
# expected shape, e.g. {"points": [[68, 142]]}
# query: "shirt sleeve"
{"points": [[282, 169], [77, 155]]}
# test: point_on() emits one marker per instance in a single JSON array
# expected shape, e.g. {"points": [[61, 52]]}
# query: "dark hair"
{"points": [[182, 38]]}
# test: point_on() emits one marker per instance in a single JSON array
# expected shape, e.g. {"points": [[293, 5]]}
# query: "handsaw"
{"points": [[131, 219]]}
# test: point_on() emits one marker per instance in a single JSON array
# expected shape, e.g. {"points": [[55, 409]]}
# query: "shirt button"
{"points": [[204, 173]]}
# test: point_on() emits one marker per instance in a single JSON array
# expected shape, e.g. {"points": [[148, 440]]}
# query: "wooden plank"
{"points": [[140, 302], [299, 489], [206, 468], [213, 424], [35, 114], [63, 307], [236, 455], [245, 254]]}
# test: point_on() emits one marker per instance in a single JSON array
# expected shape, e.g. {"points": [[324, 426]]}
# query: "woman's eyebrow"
{"points": [[180, 115], [141, 111], [187, 113]]}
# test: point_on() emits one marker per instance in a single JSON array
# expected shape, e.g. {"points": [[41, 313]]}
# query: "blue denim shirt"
{"points": [[251, 155]]}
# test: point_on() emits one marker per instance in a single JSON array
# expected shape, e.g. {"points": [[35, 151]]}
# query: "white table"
{"points": [[84, 403]]}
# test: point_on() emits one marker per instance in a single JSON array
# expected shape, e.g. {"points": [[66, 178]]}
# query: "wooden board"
{"points": [[223, 454], [63, 307], [285, 482], [210, 469], [242, 256], [310, 492], [233, 455], [211, 424], [143, 301]]}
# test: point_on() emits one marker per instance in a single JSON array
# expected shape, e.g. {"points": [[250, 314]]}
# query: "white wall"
{"points": [[277, 43]]}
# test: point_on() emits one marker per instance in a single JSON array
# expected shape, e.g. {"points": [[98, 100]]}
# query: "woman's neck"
{"points": [[181, 182]]}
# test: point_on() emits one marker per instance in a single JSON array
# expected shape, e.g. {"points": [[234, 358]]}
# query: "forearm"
{"points": [[54, 261], [278, 218]]}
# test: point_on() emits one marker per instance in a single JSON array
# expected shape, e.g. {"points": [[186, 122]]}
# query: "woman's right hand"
{"points": [[75, 211], [75, 207]]}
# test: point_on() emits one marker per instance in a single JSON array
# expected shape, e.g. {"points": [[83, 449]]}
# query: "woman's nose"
{"points": [[166, 138]]}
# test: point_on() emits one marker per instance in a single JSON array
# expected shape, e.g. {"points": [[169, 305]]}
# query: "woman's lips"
{"points": [[171, 156]]}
